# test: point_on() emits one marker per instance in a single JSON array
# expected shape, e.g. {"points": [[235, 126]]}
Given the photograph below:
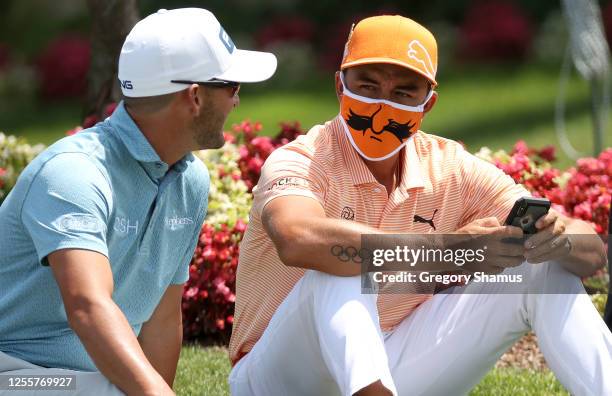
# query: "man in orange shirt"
{"points": [[303, 326]]}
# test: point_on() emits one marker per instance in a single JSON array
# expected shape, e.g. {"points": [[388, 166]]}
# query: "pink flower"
{"points": [[286, 28], [495, 30], [90, 121], [74, 131], [209, 254], [229, 138], [255, 164], [223, 254], [240, 226], [263, 145], [110, 109], [220, 324], [547, 153], [63, 67], [191, 292], [2, 173], [221, 237], [520, 147]]}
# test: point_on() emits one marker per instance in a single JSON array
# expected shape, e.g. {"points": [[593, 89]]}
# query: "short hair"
{"points": [[149, 104]]}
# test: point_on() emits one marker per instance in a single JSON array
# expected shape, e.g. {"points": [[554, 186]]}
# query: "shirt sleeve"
{"points": [[67, 206], [182, 272], [486, 190], [287, 172]]}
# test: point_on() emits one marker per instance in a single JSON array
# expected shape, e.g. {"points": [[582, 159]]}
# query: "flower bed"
{"points": [[582, 191]]}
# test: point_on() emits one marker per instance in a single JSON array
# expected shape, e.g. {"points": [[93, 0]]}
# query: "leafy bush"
{"points": [[208, 301], [63, 67], [495, 30], [209, 294], [15, 155], [582, 191]]}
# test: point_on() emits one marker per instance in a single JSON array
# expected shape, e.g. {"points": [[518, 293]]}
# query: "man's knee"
{"points": [[336, 291], [338, 305], [552, 278]]}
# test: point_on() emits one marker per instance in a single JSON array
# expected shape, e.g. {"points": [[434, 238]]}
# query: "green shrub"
{"points": [[15, 155]]}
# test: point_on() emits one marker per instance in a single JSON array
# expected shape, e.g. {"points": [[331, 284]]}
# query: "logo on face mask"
{"points": [[363, 123], [378, 128]]}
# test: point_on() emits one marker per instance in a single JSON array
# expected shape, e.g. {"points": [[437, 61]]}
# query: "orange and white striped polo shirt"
{"points": [[439, 180]]}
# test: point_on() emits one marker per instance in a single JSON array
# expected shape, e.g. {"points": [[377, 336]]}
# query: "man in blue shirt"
{"points": [[97, 235]]}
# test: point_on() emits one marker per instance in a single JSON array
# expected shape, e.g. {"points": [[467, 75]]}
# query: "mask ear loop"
{"points": [[418, 108], [429, 96], [342, 81]]}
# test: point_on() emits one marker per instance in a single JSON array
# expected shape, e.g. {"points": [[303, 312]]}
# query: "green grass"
{"points": [[502, 382], [492, 106], [204, 371]]}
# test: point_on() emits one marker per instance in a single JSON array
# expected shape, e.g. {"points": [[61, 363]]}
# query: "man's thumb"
{"points": [[488, 222]]}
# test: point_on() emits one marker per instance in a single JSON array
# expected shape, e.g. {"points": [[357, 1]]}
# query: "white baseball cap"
{"points": [[187, 44]]}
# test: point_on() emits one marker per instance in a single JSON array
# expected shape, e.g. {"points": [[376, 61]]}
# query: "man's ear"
{"points": [[430, 104], [193, 97], [338, 85]]}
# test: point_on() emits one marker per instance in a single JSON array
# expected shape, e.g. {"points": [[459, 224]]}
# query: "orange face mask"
{"points": [[378, 128]]}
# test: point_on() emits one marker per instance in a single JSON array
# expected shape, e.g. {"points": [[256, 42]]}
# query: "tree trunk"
{"points": [[111, 21]]}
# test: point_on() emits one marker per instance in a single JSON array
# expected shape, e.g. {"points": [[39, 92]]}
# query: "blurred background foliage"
{"points": [[499, 64]]}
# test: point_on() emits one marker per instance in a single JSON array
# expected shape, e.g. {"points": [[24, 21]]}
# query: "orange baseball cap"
{"points": [[392, 39]]}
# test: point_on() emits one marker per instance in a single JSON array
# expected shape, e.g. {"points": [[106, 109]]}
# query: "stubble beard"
{"points": [[208, 128]]}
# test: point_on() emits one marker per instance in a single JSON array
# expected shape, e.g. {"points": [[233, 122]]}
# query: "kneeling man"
{"points": [[97, 235]]}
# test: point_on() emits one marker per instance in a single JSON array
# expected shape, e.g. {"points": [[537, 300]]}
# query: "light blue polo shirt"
{"points": [[104, 189]]}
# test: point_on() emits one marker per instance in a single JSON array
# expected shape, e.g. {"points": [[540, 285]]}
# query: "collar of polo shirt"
{"points": [[140, 148]]}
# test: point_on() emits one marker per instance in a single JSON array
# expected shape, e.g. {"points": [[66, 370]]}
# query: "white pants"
{"points": [[324, 339], [87, 383]]}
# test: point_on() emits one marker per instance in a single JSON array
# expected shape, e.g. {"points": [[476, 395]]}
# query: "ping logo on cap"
{"points": [[226, 40], [126, 84]]}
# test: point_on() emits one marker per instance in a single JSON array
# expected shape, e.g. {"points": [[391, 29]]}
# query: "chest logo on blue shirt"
{"points": [[123, 225], [176, 223]]}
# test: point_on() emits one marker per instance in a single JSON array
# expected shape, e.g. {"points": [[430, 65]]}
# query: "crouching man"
{"points": [[92, 258], [302, 325]]}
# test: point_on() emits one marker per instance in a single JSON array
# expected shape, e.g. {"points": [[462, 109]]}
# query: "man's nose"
{"points": [[386, 89]]}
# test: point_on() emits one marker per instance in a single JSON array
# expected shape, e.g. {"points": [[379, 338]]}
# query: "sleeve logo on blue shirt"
{"points": [[79, 222]]}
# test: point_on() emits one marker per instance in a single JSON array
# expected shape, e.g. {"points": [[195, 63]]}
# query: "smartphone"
{"points": [[526, 211]]}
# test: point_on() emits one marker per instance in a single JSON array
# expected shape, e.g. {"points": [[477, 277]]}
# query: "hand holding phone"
{"points": [[550, 242], [526, 212]]}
